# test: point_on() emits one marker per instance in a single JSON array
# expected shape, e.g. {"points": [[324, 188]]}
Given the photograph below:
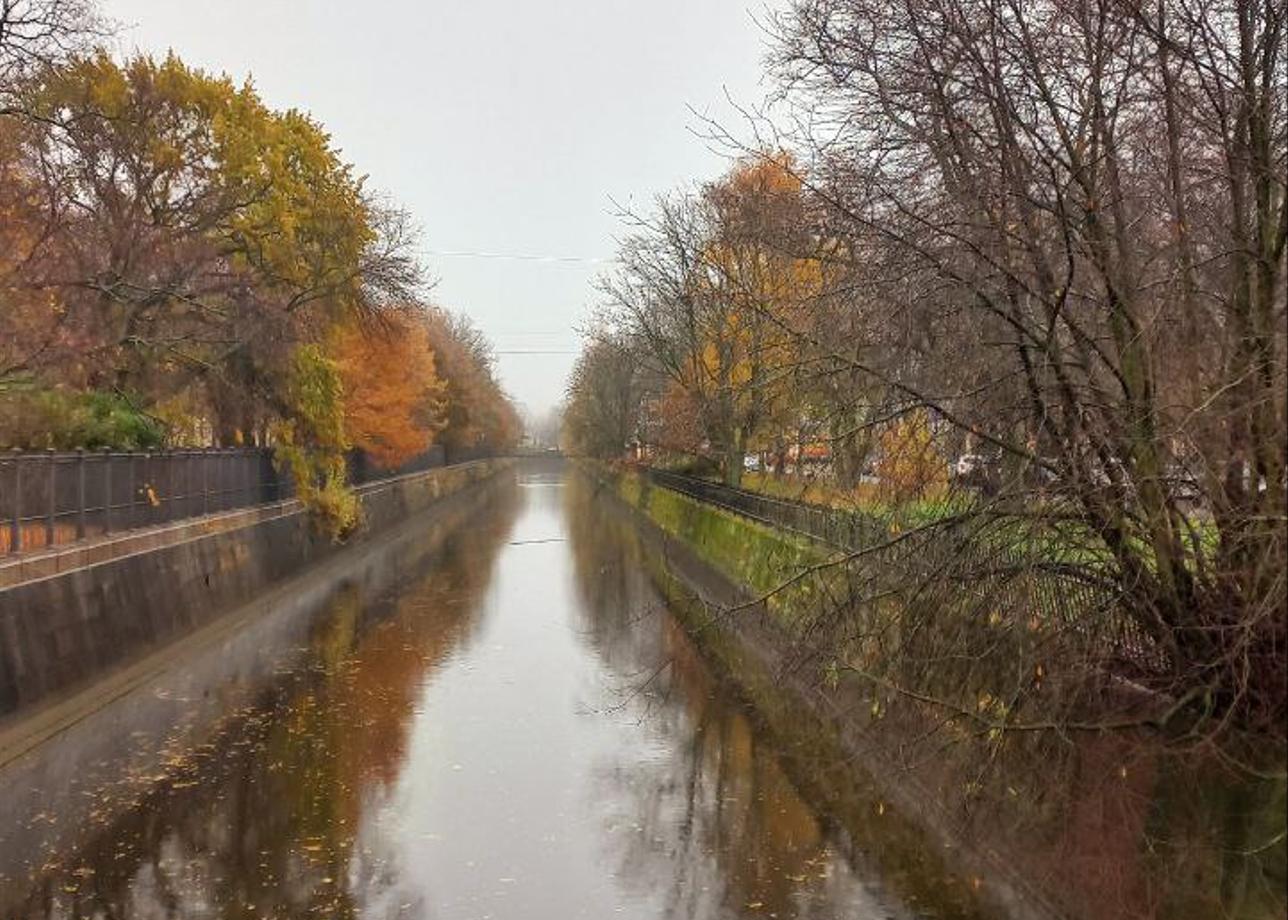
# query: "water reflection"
{"points": [[523, 731], [720, 825], [263, 821]]}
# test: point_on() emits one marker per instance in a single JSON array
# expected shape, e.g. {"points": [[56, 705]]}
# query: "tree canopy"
{"points": [[173, 247], [1012, 276]]}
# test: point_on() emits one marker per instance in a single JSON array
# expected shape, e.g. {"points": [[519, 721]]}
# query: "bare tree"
{"points": [[1046, 234], [1089, 199], [38, 34]]}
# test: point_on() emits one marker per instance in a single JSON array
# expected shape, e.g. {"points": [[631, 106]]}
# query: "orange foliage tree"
{"points": [[478, 413], [393, 396]]}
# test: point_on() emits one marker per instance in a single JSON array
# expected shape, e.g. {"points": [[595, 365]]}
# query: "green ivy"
{"points": [[39, 419]]}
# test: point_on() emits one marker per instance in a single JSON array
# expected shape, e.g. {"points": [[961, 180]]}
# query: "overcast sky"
{"points": [[506, 127]]}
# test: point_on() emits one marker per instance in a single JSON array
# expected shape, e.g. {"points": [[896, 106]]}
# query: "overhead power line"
{"points": [[512, 256], [530, 351]]}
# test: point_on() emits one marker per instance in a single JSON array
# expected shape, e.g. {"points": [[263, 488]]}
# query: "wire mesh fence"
{"points": [[51, 497]]}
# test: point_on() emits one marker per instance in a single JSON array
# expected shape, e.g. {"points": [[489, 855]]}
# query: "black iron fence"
{"points": [[54, 497], [999, 577], [836, 527], [59, 497], [361, 468]]}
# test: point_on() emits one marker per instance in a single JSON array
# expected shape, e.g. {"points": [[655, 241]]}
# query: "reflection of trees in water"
{"points": [[619, 611], [714, 822], [263, 821]]}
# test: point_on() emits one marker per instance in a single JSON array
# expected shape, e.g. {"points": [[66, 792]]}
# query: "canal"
{"points": [[516, 728]]}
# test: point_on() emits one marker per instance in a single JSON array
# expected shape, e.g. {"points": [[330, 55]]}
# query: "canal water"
{"points": [[518, 729]]}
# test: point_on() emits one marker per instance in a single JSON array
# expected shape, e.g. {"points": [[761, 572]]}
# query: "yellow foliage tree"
{"points": [[761, 273], [909, 466]]}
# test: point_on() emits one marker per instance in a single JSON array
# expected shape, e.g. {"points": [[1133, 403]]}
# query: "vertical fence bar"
{"points": [[52, 482], [183, 486], [15, 521], [146, 490], [80, 493], [205, 482], [131, 519], [107, 491], [160, 486]]}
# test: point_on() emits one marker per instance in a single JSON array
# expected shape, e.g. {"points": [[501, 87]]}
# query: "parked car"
{"points": [[969, 464], [978, 471]]}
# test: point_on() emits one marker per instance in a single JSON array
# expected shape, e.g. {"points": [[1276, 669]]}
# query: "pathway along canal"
{"points": [[520, 729]]}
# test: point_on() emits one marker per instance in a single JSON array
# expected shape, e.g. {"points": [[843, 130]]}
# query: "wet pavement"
{"points": [[519, 729]]}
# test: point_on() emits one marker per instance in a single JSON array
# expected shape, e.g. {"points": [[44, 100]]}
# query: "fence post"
{"points": [[186, 471], [53, 492], [132, 520], [107, 491], [80, 493], [149, 513], [15, 522]]}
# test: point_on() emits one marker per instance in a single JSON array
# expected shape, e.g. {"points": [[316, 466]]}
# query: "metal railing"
{"points": [[999, 577], [49, 498], [833, 526]]}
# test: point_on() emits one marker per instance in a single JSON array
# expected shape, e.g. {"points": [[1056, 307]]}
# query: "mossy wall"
{"points": [[785, 570]]}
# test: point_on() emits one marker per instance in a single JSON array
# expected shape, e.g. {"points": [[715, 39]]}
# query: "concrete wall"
{"points": [[67, 629]]}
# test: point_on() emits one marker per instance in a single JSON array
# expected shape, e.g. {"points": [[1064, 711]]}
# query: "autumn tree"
{"points": [[198, 232], [393, 397], [173, 247], [909, 465], [709, 288], [604, 399], [478, 414]]}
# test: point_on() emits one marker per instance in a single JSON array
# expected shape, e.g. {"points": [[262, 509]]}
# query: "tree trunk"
{"points": [[735, 454]]}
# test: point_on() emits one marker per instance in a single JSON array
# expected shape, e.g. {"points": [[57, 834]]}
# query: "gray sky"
{"points": [[507, 127]]}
